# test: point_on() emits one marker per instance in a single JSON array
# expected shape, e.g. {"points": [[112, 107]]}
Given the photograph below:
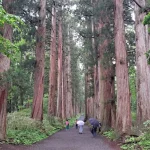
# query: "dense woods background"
{"points": [[61, 58]]}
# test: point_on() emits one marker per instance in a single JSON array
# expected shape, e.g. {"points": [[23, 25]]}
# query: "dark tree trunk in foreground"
{"points": [[143, 72], [108, 98], [105, 87], [37, 109], [112, 101], [4, 66], [53, 67], [123, 120]]}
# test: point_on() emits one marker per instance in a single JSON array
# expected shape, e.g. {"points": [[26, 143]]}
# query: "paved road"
{"points": [[68, 140]]}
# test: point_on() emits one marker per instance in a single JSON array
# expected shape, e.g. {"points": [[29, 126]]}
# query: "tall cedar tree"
{"points": [[123, 116], [67, 79], [4, 66], [105, 88], [37, 109], [53, 67], [59, 83], [143, 80]]}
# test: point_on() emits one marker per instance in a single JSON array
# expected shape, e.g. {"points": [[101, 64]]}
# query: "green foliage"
{"points": [[146, 19], [141, 142], [148, 56], [6, 46], [24, 130], [132, 143], [133, 115], [147, 123], [71, 121], [21, 89], [20, 75], [21, 129], [128, 146], [25, 137], [110, 134], [13, 20], [145, 142], [45, 103], [132, 82]]}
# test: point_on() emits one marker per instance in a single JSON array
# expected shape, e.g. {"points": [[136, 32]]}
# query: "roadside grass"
{"points": [[133, 142], [111, 134], [21, 129], [141, 142]]}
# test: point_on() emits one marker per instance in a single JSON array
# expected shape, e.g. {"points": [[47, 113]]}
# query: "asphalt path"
{"points": [[68, 140]]}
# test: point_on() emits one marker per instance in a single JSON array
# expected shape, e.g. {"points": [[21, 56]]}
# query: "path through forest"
{"points": [[68, 140]]}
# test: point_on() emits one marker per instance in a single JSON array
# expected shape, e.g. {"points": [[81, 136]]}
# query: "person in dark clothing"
{"points": [[94, 130], [100, 125], [76, 124]]}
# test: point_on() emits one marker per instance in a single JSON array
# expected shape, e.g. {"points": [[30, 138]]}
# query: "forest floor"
{"points": [[68, 140]]}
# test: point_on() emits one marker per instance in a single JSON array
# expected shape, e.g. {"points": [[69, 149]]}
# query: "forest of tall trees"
{"points": [[63, 58]]}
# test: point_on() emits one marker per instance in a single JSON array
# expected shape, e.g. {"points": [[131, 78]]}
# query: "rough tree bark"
{"points": [[105, 88], [113, 104], [64, 88], [123, 120], [8, 30], [143, 80], [63, 100], [52, 73], [86, 95], [89, 81], [108, 98], [4, 66], [90, 107], [59, 80], [37, 108], [69, 107], [70, 84], [96, 89]]}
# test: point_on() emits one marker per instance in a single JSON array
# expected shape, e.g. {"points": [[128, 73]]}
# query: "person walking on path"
{"points": [[94, 130], [80, 129], [80, 125], [76, 124], [67, 124]]}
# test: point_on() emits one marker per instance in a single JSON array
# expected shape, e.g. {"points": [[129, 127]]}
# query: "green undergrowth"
{"points": [[21, 129], [134, 142], [141, 142], [111, 134]]}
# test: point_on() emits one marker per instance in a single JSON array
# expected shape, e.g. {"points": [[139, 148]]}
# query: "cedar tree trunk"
{"points": [[37, 108], [59, 83], [4, 66], [123, 120], [53, 67], [143, 72]]}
